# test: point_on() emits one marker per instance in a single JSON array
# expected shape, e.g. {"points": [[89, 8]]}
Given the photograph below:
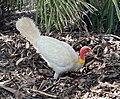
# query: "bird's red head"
{"points": [[83, 51]]}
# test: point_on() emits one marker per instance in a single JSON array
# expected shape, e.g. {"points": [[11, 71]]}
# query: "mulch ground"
{"points": [[25, 75]]}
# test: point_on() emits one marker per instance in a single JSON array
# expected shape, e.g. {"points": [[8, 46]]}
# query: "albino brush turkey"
{"points": [[59, 55]]}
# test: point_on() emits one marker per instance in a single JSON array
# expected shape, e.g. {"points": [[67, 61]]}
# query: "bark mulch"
{"points": [[25, 75]]}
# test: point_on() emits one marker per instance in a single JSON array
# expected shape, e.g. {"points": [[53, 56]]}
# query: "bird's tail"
{"points": [[28, 29]]}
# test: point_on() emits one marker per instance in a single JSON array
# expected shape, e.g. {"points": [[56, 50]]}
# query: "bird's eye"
{"points": [[88, 49]]}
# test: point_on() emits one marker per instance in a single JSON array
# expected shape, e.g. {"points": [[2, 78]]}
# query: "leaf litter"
{"points": [[25, 75]]}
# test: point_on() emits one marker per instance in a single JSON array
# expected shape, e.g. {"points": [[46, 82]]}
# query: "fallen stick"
{"points": [[43, 93], [17, 93]]}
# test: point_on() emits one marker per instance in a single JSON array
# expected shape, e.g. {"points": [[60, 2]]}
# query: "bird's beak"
{"points": [[91, 51]]}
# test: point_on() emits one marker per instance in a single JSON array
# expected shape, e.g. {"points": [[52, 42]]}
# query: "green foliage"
{"points": [[105, 19], [15, 4], [60, 13], [117, 8], [21, 4], [56, 14]]}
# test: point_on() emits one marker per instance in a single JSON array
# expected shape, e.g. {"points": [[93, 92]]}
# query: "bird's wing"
{"points": [[72, 51], [55, 51]]}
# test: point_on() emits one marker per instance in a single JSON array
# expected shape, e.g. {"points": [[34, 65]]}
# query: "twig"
{"points": [[43, 93], [13, 91], [115, 36]]}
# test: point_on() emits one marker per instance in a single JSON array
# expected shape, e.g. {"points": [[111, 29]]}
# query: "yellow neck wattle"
{"points": [[82, 61]]}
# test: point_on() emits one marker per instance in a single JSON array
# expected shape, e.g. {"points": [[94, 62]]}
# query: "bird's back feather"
{"points": [[57, 52]]}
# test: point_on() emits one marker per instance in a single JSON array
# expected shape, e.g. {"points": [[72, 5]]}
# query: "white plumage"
{"points": [[60, 56]]}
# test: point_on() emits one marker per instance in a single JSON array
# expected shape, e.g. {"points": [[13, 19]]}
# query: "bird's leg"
{"points": [[56, 76]]}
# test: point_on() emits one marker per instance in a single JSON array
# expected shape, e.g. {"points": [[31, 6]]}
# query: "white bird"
{"points": [[60, 56]]}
